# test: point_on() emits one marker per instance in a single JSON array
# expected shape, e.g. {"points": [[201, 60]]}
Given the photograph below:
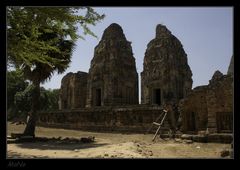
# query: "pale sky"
{"points": [[206, 34]]}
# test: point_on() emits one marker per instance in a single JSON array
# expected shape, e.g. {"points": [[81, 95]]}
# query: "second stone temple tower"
{"points": [[113, 79], [166, 74]]}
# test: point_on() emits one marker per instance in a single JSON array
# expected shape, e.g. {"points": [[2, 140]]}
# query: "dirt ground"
{"points": [[108, 145]]}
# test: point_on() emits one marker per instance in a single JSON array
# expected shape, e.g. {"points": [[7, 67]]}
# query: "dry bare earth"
{"points": [[107, 145]]}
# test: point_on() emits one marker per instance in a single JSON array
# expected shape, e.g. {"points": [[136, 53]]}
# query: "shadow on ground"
{"points": [[56, 144]]}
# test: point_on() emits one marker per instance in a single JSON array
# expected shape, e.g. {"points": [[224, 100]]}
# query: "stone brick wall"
{"points": [[194, 110], [113, 78], [123, 119], [166, 74], [220, 100], [209, 107], [73, 91]]}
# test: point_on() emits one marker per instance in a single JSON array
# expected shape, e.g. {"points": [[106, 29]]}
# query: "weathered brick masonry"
{"points": [[126, 119]]}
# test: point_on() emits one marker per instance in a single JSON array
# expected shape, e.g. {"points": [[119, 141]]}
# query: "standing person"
{"points": [[28, 116]]}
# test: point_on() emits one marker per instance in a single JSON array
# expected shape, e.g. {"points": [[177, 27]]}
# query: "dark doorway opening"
{"points": [[157, 96], [65, 104], [191, 123], [98, 97], [224, 122]]}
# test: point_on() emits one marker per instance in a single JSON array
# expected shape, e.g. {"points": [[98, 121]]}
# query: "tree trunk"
{"points": [[31, 124]]}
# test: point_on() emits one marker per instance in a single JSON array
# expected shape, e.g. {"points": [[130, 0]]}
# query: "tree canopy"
{"points": [[40, 41], [15, 83], [44, 37]]}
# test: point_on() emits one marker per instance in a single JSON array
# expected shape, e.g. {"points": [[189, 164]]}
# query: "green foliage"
{"points": [[19, 95], [40, 40], [49, 99], [15, 83], [23, 101]]}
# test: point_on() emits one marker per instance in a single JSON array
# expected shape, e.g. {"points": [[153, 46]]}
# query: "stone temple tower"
{"points": [[73, 91], [113, 78], [166, 74]]}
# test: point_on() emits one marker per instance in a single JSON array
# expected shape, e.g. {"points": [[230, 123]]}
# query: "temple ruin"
{"points": [[210, 107], [113, 78], [106, 98], [73, 91], [166, 74]]}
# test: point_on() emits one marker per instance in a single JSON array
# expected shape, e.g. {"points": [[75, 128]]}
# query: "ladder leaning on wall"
{"points": [[162, 117]]}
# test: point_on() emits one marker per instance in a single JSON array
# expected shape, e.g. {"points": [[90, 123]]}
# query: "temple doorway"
{"points": [[157, 96], [98, 97], [191, 122], [224, 122]]}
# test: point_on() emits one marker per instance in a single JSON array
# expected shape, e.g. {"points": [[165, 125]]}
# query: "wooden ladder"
{"points": [[163, 116]]}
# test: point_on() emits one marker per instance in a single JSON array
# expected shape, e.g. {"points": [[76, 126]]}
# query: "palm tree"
{"points": [[40, 41], [41, 72]]}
